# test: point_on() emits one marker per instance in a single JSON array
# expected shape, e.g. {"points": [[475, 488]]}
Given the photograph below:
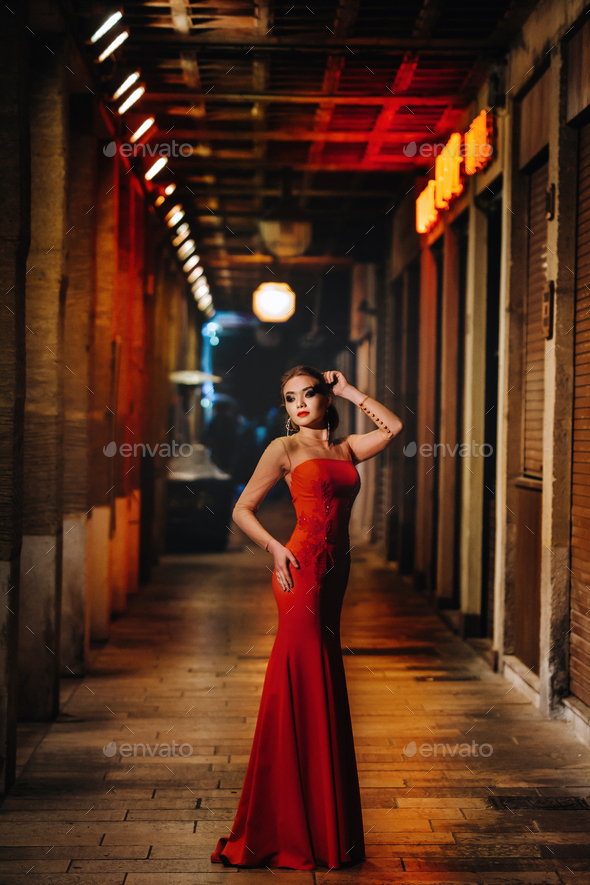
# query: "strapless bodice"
{"points": [[323, 492], [336, 478]]}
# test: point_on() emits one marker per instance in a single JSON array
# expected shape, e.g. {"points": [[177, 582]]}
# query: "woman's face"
{"points": [[305, 405]]}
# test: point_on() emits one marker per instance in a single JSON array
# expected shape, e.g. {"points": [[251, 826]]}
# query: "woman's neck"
{"points": [[312, 435]]}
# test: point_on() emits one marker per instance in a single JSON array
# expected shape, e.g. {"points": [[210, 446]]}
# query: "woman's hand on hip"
{"points": [[283, 557]]}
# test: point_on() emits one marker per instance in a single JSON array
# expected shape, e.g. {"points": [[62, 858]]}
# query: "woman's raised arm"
{"points": [[272, 466], [366, 445]]}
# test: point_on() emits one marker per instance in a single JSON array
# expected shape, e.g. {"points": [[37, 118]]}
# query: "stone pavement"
{"points": [[494, 802]]}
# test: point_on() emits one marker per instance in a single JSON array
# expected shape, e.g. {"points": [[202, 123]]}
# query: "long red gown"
{"points": [[300, 804]]}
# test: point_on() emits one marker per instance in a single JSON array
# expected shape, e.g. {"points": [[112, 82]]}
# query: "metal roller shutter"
{"points": [[580, 522], [534, 340]]}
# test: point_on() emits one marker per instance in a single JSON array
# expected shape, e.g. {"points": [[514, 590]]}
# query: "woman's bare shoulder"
{"points": [[278, 448]]}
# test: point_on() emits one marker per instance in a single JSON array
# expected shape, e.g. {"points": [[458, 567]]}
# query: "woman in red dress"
{"points": [[300, 804]]}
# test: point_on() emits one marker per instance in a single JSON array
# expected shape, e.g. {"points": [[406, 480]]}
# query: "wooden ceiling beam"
{"points": [[324, 114], [380, 133], [235, 216], [249, 190], [310, 41], [300, 98], [186, 46], [345, 18], [253, 261], [247, 162], [187, 98], [383, 122]]}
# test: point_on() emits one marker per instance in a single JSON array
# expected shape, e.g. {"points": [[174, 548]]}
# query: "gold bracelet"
{"points": [[361, 403], [375, 418]]}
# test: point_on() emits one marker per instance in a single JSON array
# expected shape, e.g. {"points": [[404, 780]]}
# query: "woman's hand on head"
{"points": [[338, 380], [283, 558]]}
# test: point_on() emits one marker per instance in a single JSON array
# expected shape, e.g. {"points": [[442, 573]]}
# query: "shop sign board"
{"points": [[472, 150]]}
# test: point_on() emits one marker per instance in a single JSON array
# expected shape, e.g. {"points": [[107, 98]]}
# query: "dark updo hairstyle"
{"points": [[324, 387]]}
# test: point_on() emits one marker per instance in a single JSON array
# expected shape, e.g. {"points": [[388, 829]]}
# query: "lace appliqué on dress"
{"points": [[321, 531]]}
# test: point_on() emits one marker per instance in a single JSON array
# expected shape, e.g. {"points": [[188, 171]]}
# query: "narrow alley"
{"points": [[186, 663], [334, 255]]}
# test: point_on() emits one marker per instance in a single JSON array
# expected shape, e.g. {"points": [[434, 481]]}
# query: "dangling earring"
{"points": [[289, 426]]}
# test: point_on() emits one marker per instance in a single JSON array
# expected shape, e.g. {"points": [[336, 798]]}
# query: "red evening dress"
{"points": [[300, 804]]}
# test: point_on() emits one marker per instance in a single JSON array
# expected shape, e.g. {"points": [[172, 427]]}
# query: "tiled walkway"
{"points": [[186, 664]]}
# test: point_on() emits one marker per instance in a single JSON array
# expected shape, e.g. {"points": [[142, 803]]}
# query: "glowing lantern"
{"points": [[273, 302], [286, 229]]}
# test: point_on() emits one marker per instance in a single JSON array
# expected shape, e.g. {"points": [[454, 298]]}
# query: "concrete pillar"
{"points": [[138, 406], [14, 245], [425, 419], [102, 407], [80, 269], [449, 345], [41, 558], [123, 436], [362, 520], [163, 361]]}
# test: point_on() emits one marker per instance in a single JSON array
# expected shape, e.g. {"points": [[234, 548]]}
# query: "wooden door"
{"points": [[580, 512]]}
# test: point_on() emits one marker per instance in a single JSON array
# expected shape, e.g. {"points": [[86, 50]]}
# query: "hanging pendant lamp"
{"points": [[286, 230]]}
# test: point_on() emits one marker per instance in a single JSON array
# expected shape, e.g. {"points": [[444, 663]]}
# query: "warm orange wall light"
{"points": [[447, 174], [473, 150], [426, 211], [477, 142]]}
